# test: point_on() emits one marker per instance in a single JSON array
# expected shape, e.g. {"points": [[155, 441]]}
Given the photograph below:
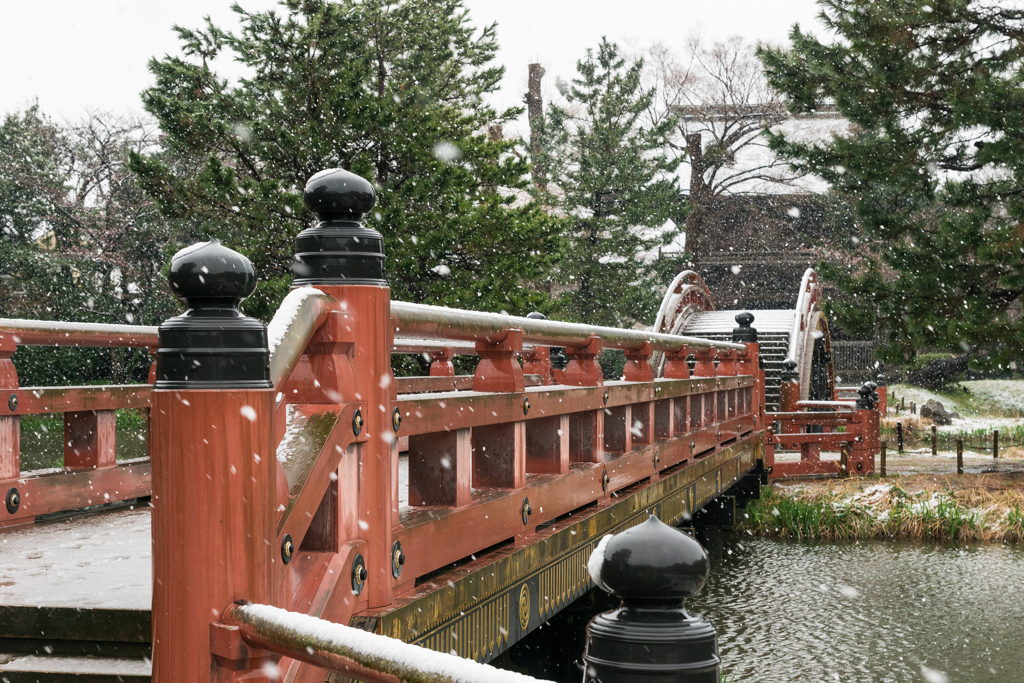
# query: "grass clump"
{"points": [[886, 511]]}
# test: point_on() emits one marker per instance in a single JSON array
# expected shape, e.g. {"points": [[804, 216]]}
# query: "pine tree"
{"points": [[393, 91], [615, 183], [928, 250]]}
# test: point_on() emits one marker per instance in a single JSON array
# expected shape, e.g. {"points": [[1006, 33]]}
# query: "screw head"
{"points": [[605, 480], [12, 500], [606, 396], [287, 549], [12, 402], [693, 444], [526, 406], [527, 511], [397, 559], [358, 574], [357, 422], [396, 419], [657, 459]]}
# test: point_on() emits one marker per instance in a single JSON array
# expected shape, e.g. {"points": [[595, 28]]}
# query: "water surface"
{"points": [[871, 611]]}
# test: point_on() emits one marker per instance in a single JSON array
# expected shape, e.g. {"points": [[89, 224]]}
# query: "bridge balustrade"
{"points": [[91, 474], [849, 427], [277, 470]]}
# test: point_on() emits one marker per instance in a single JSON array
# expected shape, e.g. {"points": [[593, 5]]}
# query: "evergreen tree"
{"points": [[929, 247], [615, 183], [391, 90]]}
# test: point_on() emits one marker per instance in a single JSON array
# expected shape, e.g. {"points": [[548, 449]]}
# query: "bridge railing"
{"points": [[91, 474], [810, 427]]}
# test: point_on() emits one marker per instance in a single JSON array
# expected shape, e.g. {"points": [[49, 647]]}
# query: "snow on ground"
{"points": [[1006, 393], [103, 560]]}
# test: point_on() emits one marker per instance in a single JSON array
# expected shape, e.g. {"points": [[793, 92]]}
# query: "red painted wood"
{"points": [[89, 439], [441, 362], [214, 530], [538, 362], [58, 491], [440, 468], [705, 366], [499, 455], [638, 366], [618, 429], [373, 383], [42, 400], [676, 366], [547, 445], [583, 369], [499, 369], [586, 436]]}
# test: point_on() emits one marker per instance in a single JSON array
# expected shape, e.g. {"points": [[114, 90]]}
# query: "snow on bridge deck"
{"points": [[97, 561]]}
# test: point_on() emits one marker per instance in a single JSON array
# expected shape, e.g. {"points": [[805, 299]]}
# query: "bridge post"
{"points": [[753, 398], [10, 425], [345, 259], [214, 465], [861, 460], [789, 393], [652, 568], [883, 394]]}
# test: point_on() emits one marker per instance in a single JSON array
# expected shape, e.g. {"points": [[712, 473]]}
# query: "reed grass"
{"points": [[889, 512]]}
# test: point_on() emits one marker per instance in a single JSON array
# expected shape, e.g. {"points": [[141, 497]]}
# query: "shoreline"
{"points": [[986, 507]]}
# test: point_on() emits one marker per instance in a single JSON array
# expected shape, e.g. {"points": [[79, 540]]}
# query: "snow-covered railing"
{"points": [[435, 322], [364, 656]]}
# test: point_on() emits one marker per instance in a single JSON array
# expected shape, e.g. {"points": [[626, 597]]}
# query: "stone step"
{"points": [[54, 668]]}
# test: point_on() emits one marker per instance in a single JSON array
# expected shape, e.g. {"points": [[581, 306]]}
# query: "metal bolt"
{"points": [[396, 419], [526, 406], [606, 396], [287, 549], [605, 480], [357, 422], [397, 559], [527, 511], [12, 402], [358, 574], [657, 459], [12, 500], [693, 444]]}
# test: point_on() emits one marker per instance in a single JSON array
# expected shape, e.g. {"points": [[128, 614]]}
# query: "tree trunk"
{"points": [[535, 112]]}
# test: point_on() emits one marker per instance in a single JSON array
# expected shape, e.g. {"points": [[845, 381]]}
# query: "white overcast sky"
{"points": [[73, 55]]}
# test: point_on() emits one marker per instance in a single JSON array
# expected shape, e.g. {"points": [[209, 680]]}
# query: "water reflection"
{"points": [[873, 611]]}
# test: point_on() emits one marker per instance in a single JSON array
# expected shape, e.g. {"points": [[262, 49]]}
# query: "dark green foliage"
{"points": [[615, 182], [613, 363], [932, 172], [392, 91]]}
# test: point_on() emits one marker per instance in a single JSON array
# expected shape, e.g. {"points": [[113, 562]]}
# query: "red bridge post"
{"points": [[344, 259], [10, 425], [214, 476]]}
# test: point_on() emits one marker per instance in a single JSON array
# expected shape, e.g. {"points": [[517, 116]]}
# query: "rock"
{"points": [[937, 412]]}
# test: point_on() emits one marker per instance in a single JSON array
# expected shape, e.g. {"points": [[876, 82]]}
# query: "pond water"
{"points": [[872, 611]]}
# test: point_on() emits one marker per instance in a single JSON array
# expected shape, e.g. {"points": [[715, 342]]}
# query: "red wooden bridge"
{"points": [[289, 467]]}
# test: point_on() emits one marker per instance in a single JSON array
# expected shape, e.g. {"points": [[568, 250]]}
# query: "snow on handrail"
{"points": [[365, 656], [436, 322], [55, 333], [297, 319]]}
